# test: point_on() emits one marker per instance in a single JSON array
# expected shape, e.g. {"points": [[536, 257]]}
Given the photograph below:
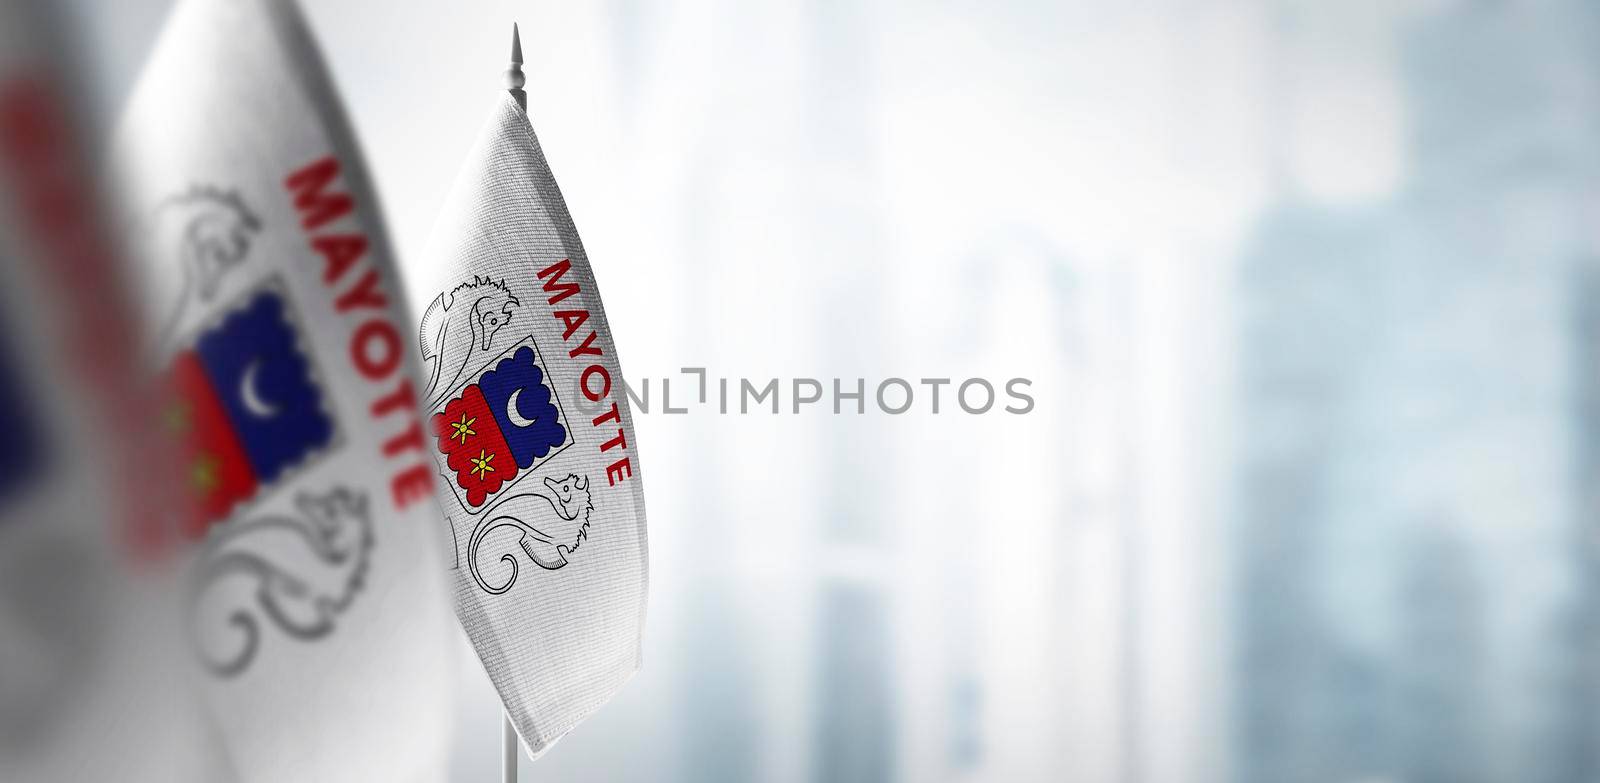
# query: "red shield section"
{"points": [[473, 446]]}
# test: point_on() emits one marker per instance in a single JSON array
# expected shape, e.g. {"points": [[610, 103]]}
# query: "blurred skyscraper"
{"points": [[854, 718], [1412, 460]]}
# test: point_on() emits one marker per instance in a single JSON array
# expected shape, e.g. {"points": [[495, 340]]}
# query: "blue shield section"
{"points": [[24, 452], [533, 426], [265, 385]]}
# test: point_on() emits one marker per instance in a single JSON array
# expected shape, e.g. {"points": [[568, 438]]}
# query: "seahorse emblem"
{"points": [[300, 572], [208, 232], [459, 331], [550, 528]]}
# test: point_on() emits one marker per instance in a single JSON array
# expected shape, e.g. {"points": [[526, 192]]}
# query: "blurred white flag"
{"points": [[532, 433], [316, 595], [92, 682]]}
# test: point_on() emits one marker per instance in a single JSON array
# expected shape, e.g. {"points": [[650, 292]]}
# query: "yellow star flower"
{"points": [[203, 474], [176, 417], [463, 428], [480, 463]]}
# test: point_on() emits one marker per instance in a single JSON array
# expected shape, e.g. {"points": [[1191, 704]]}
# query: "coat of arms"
{"points": [[498, 420]]}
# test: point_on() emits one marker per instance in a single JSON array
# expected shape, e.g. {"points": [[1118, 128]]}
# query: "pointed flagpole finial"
{"points": [[514, 78]]}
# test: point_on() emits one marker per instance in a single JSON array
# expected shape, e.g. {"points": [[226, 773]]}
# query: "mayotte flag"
{"points": [[501, 425], [244, 409]]}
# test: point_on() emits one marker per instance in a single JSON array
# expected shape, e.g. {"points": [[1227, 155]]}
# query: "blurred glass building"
{"points": [[1415, 575]]}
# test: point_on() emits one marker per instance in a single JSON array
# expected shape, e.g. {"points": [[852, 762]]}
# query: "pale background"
{"points": [[1306, 291]]}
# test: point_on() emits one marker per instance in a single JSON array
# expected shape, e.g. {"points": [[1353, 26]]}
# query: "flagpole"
{"points": [[509, 747], [514, 78], [508, 751]]}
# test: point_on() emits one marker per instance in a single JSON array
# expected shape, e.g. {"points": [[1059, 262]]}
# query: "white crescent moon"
{"points": [[511, 412], [251, 396]]}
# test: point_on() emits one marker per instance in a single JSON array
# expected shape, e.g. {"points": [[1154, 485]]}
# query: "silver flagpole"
{"points": [[508, 751], [509, 747], [514, 77]]}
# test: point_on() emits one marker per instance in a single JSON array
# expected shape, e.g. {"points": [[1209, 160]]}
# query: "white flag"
{"points": [[534, 439], [318, 602], [92, 683]]}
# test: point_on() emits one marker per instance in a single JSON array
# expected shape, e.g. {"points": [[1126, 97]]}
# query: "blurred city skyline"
{"points": [[1306, 293]]}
